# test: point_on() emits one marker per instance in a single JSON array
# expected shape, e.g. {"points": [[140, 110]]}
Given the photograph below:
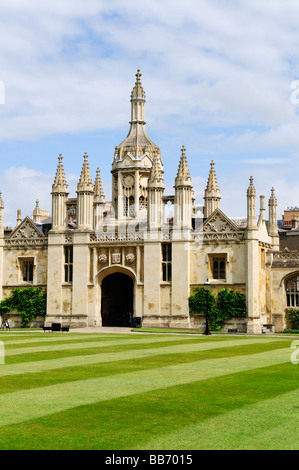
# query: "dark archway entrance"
{"points": [[117, 300]]}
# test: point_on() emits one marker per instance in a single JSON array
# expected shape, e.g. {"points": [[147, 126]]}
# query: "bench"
{"points": [[56, 327], [232, 330]]}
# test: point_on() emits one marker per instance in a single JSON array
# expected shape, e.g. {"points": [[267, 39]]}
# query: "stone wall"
{"points": [[15, 320], [199, 322]]}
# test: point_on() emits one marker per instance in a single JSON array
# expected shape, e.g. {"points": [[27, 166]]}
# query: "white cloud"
{"points": [[67, 64], [21, 187], [217, 77]]}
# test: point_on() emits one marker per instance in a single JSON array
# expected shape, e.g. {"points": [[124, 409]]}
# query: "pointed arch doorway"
{"points": [[117, 299]]}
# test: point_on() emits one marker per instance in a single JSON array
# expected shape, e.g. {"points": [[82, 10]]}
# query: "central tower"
{"points": [[133, 160]]}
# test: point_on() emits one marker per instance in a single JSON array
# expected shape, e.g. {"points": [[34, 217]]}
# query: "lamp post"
{"points": [[207, 287]]}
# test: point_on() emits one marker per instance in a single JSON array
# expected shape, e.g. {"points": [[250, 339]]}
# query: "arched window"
{"points": [[142, 203], [128, 206], [131, 206], [292, 290], [125, 206]]}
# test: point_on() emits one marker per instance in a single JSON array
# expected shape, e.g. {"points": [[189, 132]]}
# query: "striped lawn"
{"points": [[146, 391]]}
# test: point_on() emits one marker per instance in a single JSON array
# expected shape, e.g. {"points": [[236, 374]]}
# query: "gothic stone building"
{"points": [[100, 261]]}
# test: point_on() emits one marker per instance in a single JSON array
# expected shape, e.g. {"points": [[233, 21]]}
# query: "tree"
{"points": [[225, 305], [28, 302]]}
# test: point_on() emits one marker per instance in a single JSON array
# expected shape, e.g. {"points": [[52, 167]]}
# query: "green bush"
{"points": [[28, 302], [290, 331], [292, 315], [221, 307], [199, 300]]}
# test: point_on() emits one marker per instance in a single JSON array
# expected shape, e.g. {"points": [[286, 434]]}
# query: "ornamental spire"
{"points": [[137, 104], [156, 175], [273, 228], [85, 182], [60, 185], [251, 206], [212, 184], [1, 215], [99, 195], [59, 197], [212, 193], [36, 216], [183, 176], [137, 143]]}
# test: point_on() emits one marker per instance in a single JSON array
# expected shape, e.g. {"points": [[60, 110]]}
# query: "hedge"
{"points": [[221, 307]]}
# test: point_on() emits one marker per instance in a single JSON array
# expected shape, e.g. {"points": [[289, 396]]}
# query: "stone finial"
{"points": [[138, 75], [19, 217], [37, 208], [1, 201], [272, 200], [138, 91], [183, 175], [251, 189], [60, 184], [99, 196], [85, 182]]}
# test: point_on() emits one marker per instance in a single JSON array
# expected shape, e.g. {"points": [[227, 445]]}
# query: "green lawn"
{"points": [[147, 391]]}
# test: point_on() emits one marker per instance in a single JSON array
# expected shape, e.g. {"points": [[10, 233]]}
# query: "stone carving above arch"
{"points": [[122, 256]]}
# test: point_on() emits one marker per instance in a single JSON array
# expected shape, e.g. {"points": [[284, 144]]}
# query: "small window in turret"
{"points": [[166, 262], [68, 264]]}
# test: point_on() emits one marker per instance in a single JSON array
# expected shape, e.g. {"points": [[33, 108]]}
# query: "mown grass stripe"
{"points": [[130, 341], [85, 351], [88, 371], [17, 407], [59, 343], [245, 428], [123, 422], [46, 340], [77, 359], [53, 338], [87, 345]]}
